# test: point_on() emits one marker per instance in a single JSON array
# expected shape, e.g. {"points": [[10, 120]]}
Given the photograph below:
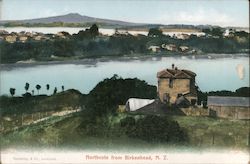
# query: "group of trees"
{"points": [[109, 93], [240, 92], [38, 87], [217, 31]]}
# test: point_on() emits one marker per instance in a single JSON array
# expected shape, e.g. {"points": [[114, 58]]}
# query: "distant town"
{"points": [[90, 42]]}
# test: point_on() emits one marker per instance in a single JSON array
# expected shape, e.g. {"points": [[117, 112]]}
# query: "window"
{"points": [[193, 101], [166, 97], [179, 95], [171, 83]]}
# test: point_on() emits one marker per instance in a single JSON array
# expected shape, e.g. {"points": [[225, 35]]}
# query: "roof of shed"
{"points": [[228, 101]]}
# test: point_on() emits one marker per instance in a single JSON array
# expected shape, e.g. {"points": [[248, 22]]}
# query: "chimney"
{"points": [[172, 66]]}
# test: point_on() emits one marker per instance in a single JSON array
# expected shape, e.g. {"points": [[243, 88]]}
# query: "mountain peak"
{"points": [[75, 18], [73, 14]]}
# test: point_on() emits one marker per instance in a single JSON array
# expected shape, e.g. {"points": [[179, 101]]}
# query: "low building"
{"points": [[184, 48], [23, 38], [183, 36], [174, 84], [134, 104], [11, 38], [229, 107], [3, 32], [154, 48], [169, 47], [38, 37]]}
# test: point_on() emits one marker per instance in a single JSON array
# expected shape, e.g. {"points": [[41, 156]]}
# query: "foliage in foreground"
{"points": [[154, 129]]}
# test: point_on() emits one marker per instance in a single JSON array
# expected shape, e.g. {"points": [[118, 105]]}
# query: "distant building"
{"points": [[154, 48], [3, 32], [23, 38], [38, 38], [11, 38], [184, 48], [169, 47], [183, 36], [229, 107], [176, 85]]}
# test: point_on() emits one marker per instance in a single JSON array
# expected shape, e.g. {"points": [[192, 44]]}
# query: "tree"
{"points": [[38, 87], [217, 31], [155, 32], [27, 85], [32, 92], [47, 87], [12, 91], [55, 90], [94, 31], [62, 88]]}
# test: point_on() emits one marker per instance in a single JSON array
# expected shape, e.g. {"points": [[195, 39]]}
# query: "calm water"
{"points": [[212, 74]]}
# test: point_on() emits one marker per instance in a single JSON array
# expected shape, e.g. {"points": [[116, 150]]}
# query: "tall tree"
{"points": [[47, 87], [55, 90], [62, 88], [38, 87], [27, 85], [94, 31], [155, 32], [12, 91]]}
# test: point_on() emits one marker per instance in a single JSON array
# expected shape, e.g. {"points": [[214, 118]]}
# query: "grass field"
{"points": [[63, 132]]}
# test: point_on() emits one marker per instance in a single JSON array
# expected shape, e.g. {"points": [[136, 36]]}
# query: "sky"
{"points": [[196, 12]]}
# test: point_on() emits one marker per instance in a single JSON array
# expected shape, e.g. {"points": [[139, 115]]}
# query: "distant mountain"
{"points": [[86, 20], [73, 18]]}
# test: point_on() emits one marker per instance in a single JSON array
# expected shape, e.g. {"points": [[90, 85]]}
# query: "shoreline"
{"points": [[94, 61]]}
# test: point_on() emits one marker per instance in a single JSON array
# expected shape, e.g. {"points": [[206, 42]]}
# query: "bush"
{"points": [[127, 122], [156, 129]]}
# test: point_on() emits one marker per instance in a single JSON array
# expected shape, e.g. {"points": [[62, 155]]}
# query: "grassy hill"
{"points": [[19, 111]]}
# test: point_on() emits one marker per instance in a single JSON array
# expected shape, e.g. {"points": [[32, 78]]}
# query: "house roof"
{"points": [[228, 101], [176, 73]]}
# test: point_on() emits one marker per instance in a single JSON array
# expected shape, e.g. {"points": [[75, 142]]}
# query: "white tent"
{"points": [[134, 104]]}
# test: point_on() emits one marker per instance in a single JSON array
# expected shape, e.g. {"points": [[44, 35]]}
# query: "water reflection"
{"points": [[212, 74]]}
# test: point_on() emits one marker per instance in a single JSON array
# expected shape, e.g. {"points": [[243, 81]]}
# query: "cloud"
{"points": [[199, 16]]}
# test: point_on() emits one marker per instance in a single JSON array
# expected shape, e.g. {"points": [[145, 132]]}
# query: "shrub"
{"points": [[157, 129]]}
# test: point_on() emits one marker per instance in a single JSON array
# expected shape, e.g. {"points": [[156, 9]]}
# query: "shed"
{"points": [[229, 107], [134, 104]]}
